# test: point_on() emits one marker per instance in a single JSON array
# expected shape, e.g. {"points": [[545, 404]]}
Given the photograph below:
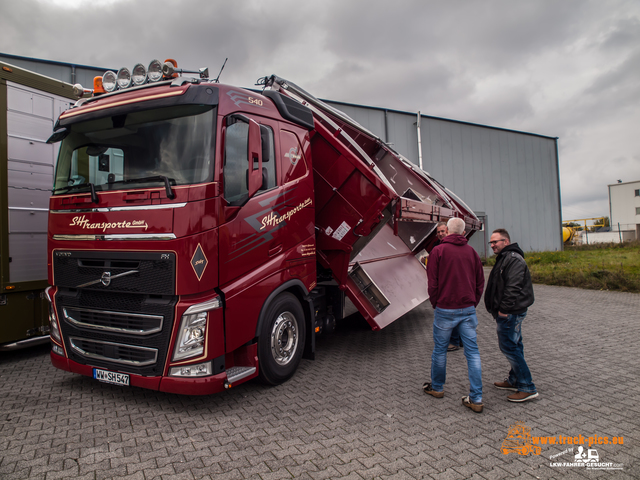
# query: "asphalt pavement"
{"points": [[356, 412]]}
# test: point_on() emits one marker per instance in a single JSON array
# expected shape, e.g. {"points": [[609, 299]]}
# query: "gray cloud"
{"points": [[569, 69]]}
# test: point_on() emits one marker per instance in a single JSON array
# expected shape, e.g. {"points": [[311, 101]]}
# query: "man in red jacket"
{"points": [[456, 281]]}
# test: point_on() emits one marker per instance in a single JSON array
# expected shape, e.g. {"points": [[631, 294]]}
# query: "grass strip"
{"points": [[610, 266]]}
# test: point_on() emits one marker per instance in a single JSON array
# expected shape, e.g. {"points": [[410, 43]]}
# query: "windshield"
{"points": [[133, 150]]}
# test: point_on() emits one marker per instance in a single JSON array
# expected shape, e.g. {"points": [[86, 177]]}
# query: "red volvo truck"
{"points": [[201, 235]]}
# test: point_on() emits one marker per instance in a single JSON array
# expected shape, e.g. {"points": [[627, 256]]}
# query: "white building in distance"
{"points": [[624, 207]]}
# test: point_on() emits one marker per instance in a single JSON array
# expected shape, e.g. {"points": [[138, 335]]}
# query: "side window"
{"points": [[236, 162], [269, 179], [293, 164]]}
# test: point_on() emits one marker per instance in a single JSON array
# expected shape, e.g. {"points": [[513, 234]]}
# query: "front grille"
{"points": [[115, 322], [114, 352], [126, 272], [123, 332]]}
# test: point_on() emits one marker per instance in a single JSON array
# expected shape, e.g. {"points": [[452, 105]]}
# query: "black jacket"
{"points": [[509, 288]]}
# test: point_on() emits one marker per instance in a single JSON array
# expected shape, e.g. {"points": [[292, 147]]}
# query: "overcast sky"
{"points": [[562, 68]]}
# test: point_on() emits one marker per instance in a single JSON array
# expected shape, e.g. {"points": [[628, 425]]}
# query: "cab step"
{"points": [[234, 374]]}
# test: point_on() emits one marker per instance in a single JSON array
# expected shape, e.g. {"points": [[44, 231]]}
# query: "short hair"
{"points": [[456, 225], [441, 224], [502, 232]]}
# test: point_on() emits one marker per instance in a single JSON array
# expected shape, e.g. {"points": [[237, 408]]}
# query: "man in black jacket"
{"points": [[508, 294]]}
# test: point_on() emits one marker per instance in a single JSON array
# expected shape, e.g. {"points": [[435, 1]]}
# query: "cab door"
{"points": [[245, 242]]}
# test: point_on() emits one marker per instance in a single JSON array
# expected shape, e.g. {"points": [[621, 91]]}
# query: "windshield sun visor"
{"points": [[194, 95]]}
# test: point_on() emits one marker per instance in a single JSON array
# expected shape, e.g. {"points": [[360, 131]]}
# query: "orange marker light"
{"points": [[10, 287], [97, 86]]}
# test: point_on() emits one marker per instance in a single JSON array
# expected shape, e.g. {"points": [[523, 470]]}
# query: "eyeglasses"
{"points": [[496, 241]]}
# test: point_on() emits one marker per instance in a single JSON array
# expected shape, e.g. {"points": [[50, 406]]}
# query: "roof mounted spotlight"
{"points": [[154, 72], [139, 75], [109, 81], [124, 78]]}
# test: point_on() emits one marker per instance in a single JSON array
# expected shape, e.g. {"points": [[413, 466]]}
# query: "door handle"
{"points": [[275, 250]]}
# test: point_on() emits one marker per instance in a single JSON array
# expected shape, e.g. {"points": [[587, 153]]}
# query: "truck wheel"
{"points": [[281, 340]]}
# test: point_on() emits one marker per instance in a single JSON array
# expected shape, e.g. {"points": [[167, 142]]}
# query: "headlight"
{"points": [[124, 78], [109, 81], [154, 72], [193, 330], [139, 74]]}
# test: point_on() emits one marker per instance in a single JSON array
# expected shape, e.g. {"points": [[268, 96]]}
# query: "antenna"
{"points": [[217, 80]]}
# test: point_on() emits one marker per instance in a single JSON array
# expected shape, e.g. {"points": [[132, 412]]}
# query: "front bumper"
{"points": [[184, 386]]}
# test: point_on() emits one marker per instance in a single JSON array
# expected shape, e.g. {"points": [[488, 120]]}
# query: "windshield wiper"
{"points": [[162, 178], [94, 195]]}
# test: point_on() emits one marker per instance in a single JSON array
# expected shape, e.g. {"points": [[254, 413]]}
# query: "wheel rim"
{"points": [[284, 338]]}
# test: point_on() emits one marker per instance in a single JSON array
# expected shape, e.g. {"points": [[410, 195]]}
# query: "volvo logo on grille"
{"points": [[106, 278]]}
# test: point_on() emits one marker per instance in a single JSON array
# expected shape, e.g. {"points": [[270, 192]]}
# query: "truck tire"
{"points": [[281, 340]]}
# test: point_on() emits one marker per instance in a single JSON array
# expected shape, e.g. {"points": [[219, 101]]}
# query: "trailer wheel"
{"points": [[281, 340]]}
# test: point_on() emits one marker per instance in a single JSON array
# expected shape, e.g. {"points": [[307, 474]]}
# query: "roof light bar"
{"points": [[138, 76]]}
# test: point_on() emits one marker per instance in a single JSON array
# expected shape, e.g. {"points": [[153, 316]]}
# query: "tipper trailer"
{"points": [[201, 235]]}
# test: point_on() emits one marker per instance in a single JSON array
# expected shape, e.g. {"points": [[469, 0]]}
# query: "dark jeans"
{"points": [[510, 340]]}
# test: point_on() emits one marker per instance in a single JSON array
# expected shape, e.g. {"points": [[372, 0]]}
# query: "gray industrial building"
{"points": [[510, 179]]}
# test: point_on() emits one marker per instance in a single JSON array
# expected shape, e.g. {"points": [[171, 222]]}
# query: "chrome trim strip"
{"points": [[131, 236], [78, 323], [109, 277], [79, 351], [122, 209], [30, 209]]}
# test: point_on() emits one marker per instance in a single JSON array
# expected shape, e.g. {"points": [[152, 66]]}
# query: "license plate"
{"points": [[111, 377]]}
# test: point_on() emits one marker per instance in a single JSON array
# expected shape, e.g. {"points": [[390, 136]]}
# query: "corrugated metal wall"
{"points": [[510, 178], [69, 73]]}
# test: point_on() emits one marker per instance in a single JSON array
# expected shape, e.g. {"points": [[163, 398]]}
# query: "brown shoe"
{"points": [[476, 407], [452, 348], [522, 396], [427, 389], [505, 385]]}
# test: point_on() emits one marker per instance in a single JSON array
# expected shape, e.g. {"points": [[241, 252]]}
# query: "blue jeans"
{"points": [[444, 322], [510, 341], [455, 338]]}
